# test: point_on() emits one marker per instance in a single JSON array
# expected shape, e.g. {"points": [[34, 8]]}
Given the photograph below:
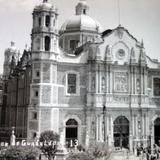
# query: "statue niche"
{"points": [[108, 54]]}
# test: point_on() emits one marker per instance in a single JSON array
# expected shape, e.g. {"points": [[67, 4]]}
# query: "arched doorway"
{"points": [[121, 132], [71, 132], [157, 131]]}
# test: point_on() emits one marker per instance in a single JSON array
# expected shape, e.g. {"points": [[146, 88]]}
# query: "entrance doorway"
{"points": [[71, 132], [121, 132], [157, 131]]}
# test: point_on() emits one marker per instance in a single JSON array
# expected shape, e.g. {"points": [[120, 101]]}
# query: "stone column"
{"points": [[51, 21], [152, 135], [87, 138], [131, 142], [111, 136], [111, 81], [43, 20]]}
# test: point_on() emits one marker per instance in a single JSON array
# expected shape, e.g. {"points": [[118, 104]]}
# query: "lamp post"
{"points": [[104, 124]]}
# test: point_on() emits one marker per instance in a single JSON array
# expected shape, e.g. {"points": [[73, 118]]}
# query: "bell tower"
{"points": [[44, 48], [44, 33], [9, 54]]}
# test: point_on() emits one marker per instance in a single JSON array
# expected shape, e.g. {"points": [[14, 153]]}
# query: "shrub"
{"points": [[80, 148], [99, 150], [22, 152], [80, 156]]}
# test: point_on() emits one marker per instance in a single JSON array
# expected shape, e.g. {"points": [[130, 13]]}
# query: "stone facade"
{"points": [[104, 88]]}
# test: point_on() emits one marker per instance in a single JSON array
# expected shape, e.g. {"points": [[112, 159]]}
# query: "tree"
{"points": [[50, 142]]}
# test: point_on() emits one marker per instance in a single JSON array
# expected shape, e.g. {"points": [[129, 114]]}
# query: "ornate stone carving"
{"points": [[119, 33], [120, 54], [121, 82], [138, 85], [132, 53], [154, 101], [103, 84], [120, 99], [93, 84], [132, 57], [108, 54]]}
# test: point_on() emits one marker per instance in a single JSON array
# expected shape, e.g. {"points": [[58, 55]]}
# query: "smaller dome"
{"points": [[12, 48], [81, 23]]}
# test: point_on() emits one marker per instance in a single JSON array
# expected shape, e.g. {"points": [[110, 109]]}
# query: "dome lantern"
{"points": [[82, 8]]}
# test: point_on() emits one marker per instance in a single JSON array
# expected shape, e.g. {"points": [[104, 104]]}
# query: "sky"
{"points": [[140, 17]]}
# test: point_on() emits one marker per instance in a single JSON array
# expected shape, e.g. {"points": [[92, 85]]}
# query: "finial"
{"points": [[119, 26]]}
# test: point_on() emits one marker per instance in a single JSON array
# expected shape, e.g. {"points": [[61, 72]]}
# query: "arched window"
{"points": [[72, 83], [47, 43], [47, 21], [39, 21], [84, 11], [71, 122], [156, 85], [156, 131]]}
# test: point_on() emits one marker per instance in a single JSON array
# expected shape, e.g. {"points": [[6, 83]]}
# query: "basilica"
{"points": [[87, 84]]}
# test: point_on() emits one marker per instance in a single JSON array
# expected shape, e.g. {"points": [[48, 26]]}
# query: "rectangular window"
{"points": [[156, 85], [36, 93], [34, 115], [37, 74], [39, 21], [71, 83], [73, 44]]}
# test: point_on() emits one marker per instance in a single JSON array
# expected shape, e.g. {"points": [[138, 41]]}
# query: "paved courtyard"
{"points": [[122, 155]]}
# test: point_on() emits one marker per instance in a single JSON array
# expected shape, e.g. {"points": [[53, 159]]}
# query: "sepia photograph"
{"points": [[80, 80]]}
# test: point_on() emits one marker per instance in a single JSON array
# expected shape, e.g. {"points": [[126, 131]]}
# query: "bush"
{"points": [[80, 156], [22, 152], [80, 148], [99, 150]]}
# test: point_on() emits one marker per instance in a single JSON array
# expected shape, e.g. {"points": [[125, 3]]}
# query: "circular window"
{"points": [[120, 54]]}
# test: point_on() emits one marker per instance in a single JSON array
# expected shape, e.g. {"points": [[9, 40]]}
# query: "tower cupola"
{"points": [[45, 29], [82, 8]]}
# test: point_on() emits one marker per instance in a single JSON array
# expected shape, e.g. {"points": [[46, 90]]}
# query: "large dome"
{"points": [[81, 22]]}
